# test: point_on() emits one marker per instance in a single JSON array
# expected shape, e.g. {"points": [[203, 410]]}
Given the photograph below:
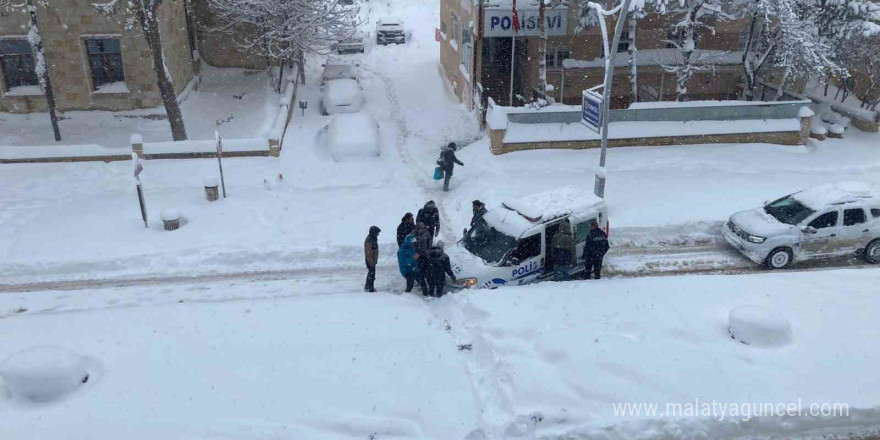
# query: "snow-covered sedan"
{"points": [[353, 137], [341, 96], [831, 220], [390, 30], [339, 69], [352, 44]]}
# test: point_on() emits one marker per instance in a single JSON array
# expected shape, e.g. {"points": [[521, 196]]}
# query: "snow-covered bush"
{"points": [[44, 373], [753, 325]]}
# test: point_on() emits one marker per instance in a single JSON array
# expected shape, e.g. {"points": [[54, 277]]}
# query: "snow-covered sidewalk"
{"points": [[308, 359]]}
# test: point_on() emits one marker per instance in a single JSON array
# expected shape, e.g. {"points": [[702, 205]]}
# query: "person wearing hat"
{"points": [[594, 251], [479, 211], [407, 224], [371, 257], [438, 267], [447, 162]]}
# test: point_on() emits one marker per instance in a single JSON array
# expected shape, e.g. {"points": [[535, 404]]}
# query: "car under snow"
{"points": [[341, 96], [390, 30], [353, 136], [338, 69]]}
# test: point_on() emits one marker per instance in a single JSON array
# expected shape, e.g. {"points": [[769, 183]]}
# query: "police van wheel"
{"points": [[779, 258], [872, 252]]}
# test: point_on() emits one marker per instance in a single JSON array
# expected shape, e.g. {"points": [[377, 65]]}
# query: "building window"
{"points": [[623, 44], [674, 37], [743, 40], [18, 63], [443, 27], [555, 57], [105, 61], [465, 51], [454, 27]]}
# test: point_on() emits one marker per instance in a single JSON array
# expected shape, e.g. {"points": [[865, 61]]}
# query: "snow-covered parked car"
{"points": [[390, 30], [338, 69], [341, 96], [510, 244], [830, 220], [353, 136], [352, 44]]}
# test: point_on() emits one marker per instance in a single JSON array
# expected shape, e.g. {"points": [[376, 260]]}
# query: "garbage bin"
{"points": [[212, 191], [170, 219]]}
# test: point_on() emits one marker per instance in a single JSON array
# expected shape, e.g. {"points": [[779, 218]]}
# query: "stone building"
{"points": [[476, 48], [94, 62]]}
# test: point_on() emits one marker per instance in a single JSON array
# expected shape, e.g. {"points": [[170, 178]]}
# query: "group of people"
{"points": [[421, 260], [565, 252]]}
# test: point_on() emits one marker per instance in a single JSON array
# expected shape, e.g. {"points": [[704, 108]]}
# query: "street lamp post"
{"points": [[610, 53]]}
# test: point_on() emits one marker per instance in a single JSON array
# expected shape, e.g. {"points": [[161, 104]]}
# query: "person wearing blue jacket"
{"points": [[409, 268]]}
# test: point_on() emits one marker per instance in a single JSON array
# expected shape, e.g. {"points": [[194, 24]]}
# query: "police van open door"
{"points": [[527, 259]]}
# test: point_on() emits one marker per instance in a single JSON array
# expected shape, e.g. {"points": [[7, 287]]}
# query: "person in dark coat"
{"points": [[479, 211], [422, 246], [447, 162], [371, 257], [438, 263], [564, 252], [429, 215], [409, 268], [407, 224], [594, 251]]}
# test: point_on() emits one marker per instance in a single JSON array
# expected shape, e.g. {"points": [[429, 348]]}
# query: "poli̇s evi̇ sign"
{"points": [[499, 22]]}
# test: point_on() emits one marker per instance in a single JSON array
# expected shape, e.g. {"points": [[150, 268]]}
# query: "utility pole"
{"points": [[610, 53]]}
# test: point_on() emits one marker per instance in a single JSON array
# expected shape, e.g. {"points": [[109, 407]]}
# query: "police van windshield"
{"points": [[487, 242]]}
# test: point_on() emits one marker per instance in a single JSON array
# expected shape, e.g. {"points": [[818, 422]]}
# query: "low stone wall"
{"points": [[782, 138]]}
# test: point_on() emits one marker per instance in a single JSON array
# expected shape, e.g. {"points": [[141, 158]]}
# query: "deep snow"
{"points": [[312, 359]]}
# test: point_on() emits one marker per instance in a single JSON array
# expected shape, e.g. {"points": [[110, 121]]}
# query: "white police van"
{"points": [[510, 245]]}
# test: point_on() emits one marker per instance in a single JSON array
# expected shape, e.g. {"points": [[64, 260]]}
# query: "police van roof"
{"points": [[547, 205]]}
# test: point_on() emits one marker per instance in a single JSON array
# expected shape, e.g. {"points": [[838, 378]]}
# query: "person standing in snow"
{"points": [[438, 262], [447, 162], [594, 251], [407, 224], [371, 257], [422, 246], [479, 211], [407, 262], [430, 217], [564, 252]]}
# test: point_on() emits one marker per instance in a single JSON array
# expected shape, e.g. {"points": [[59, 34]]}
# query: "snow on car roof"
{"points": [[390, 21], [507, 221], [553, 203], [822, 196]]}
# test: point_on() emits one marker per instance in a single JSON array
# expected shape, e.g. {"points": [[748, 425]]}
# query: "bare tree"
{"points": [[862, 58], [286, 31], [146, 14], [41, 67]]}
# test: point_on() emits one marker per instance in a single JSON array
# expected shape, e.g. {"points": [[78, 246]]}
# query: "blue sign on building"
{"points": [[591, 106]]}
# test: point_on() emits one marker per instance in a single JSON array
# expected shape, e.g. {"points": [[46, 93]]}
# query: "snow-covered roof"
{"points": [[822, 196], [553, 203], [390, 21], [507, 221], [651, 57]]}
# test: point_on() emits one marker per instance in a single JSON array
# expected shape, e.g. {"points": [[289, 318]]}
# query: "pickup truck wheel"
{"points": [[872, 252], [779, 258]]}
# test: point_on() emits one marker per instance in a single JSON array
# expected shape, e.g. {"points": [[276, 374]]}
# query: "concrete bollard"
{"points": [[212, 191], [170, 219]]}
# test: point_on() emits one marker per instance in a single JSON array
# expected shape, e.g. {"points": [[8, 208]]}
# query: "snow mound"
{"points": [[753, 325], [837, 128], [342, 96], [169, 215], [353, 135], [819, 129], [805, 112], [211, 182], [554, 203], [822, 196], [496, 117], [44, 373]]}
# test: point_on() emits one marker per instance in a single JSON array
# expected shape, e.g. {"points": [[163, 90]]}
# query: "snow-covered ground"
{"points": [[316, 359], [231, 101]]}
